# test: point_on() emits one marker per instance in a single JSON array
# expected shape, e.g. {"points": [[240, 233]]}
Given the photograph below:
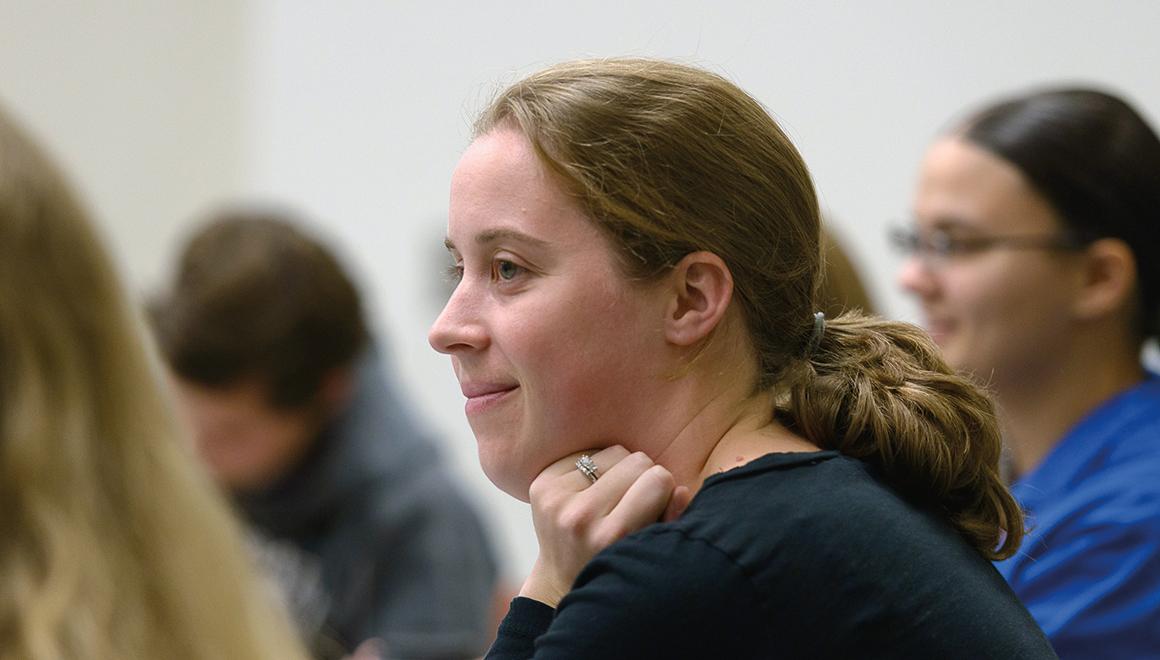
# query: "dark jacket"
{"points": [[401, 554]]}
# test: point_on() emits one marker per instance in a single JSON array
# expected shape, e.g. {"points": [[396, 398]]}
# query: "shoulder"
{"points": [[676, 553], [1122, 494], [1124, 430], [803, 508], [1111, 518], [834, 522], [798, 559], [1090, 568], [782, 524], [660, 593]]}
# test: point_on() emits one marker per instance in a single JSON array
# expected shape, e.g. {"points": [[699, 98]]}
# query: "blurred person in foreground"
{"points": [[1036, 257], [296, 416], [113, 542]]}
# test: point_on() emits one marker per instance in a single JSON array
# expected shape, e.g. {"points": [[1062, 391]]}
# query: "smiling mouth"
{"points": [[483, 402], [939, 329]]}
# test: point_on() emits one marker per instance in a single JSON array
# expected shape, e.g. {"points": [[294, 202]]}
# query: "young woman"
{"points": [[112, 544], [637, 245], [1037, 262]]}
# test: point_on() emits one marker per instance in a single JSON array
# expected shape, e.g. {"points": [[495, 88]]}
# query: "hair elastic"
{"points": [[819, 330]]}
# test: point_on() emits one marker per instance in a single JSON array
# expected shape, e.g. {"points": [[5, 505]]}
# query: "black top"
{"points": [[802, 555]]}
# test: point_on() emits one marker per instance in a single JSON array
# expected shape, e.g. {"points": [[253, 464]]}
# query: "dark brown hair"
{"points": [[669, 159], [1096, 162], [256, 297]]}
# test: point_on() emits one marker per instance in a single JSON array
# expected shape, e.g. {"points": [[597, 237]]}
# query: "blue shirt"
{"points": [[1089, 569]]}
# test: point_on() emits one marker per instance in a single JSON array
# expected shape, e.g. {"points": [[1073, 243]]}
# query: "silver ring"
{"points": [[587, 467]]}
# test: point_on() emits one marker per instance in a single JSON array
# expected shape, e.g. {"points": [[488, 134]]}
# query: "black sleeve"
{"points": [[526, 620], [652, 595]]}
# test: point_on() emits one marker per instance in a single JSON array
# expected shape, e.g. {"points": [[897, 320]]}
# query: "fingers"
{"points": [[576, 518], [641, 505], [562, 477], [618, 471], [615, 482], [680, 500], [604, 458]]}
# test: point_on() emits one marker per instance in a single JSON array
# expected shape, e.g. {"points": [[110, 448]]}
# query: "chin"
{"points": [[498, 469], [951, 354], [951, 357]]}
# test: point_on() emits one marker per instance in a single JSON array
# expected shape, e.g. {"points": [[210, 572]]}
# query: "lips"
{"points": [[485, 396], [939, 328]]}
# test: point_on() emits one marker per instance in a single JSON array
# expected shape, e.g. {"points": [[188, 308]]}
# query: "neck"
{"points": [[1038, 407], [732, 429]]}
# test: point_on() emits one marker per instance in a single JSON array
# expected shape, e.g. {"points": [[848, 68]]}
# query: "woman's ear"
{"points": [[1109, 279], [702, 288]]}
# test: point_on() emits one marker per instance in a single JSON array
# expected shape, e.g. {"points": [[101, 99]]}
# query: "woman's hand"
{"points": [[575, 518]]}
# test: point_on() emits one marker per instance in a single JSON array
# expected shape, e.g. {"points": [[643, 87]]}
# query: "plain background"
{"points": [[355, 113]]}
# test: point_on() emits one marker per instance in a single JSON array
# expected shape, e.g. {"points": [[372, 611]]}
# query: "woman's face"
{"points": [[555, 350], [998, 312]]}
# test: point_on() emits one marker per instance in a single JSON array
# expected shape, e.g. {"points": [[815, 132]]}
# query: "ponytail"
{"points": [[878, 391]]}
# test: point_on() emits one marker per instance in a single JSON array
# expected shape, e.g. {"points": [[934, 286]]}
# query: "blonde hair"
{"points": [[669, 159], [112, 542]]}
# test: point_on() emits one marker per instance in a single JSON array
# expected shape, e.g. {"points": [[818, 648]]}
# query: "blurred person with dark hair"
{"points": [[113, 542], [1037, 263], [265, 335]]}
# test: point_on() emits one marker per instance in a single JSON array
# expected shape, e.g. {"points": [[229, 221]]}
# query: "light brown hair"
{"points": [[669, 159], [113, 544]]}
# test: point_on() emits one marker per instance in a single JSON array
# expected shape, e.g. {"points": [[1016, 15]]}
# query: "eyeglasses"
{"points": [[937, 246]]}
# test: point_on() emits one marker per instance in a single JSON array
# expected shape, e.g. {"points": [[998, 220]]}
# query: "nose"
{"points": [[915, 277], [458, 328]]}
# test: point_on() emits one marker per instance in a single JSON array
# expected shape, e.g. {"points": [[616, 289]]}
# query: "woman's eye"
{"points": [[506, 270]]}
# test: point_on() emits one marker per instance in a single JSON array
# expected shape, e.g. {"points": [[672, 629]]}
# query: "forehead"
{"points": [[962, 183], [247, 398], [501, 184], [500, 158]]}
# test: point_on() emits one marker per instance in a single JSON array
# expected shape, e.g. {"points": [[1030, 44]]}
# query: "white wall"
{"points": [[358, 110], [140, 101]]}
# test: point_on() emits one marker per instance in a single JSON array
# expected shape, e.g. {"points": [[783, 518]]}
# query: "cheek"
{"points": [[1014, 313], [983, 294], [257, 452], [592, 371]]}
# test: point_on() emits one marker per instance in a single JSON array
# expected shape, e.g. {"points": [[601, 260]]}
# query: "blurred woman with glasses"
{"points": [[1036, 257]]}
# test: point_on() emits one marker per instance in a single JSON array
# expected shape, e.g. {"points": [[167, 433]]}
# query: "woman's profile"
{"points": [[635, 323], [112, 543]]}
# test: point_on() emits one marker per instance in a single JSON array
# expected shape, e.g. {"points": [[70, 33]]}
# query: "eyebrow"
{"points": [[493, 235], [954, 223], [944, 221]]}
